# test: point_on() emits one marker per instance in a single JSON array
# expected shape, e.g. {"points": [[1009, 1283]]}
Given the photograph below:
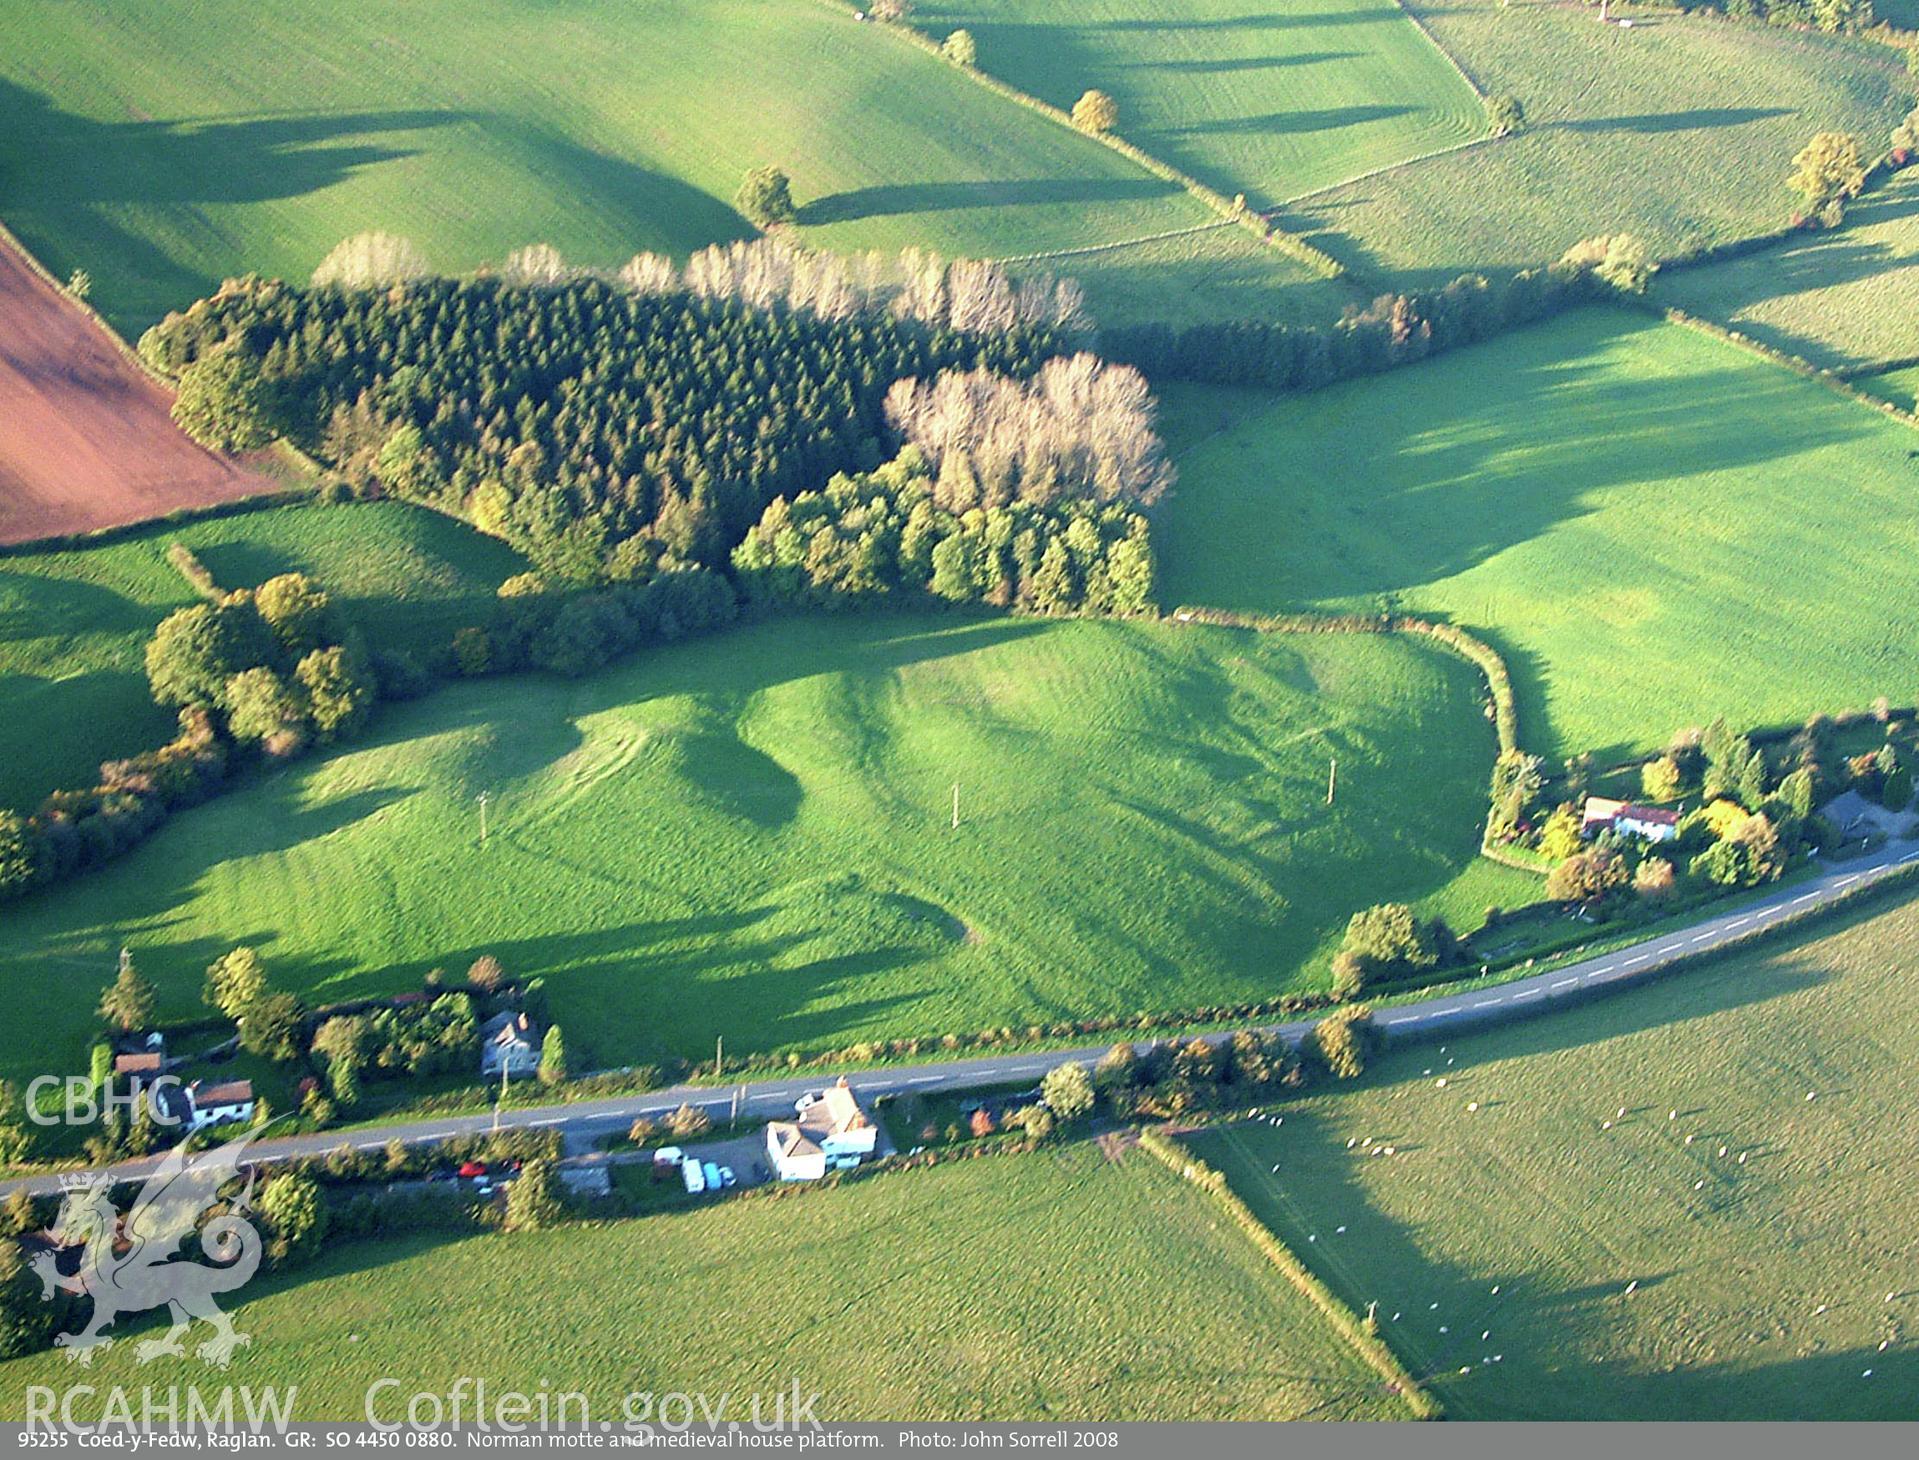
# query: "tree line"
{"points": [[1395, 329]]}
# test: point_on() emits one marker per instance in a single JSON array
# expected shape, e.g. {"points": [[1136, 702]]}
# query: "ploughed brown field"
{"points": [[86, 440]]}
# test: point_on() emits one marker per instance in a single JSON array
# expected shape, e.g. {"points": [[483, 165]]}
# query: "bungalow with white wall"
{"points": [[1648, 823], [831, 1130], [229, 1102]]}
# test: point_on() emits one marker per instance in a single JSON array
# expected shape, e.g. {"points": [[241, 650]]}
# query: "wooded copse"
{"points": [[577, 418], [1079, 428]]}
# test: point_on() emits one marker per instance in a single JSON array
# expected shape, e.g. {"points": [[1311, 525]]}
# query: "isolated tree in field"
{"points": [[1067, 1091], [1504, 115], [223, 403], [552, 1069], [765, 198], [891, 11], [295, 1215], [533, 1199], [1095, 111], [235, 981], [369, 260], [486, 973], [127, 1004], [1826, 172], [960, 50]]}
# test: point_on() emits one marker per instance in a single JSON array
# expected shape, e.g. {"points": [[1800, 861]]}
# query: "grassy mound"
{"points": [[1269, 104], [162, 160], [1845, 298], [74, 624], [1679, 130], [1026, 1282], [750, 836], [1644, 519], [1766, 1287]]}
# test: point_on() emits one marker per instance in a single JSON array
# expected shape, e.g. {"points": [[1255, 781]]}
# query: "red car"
{"points": [[471, 1168]]}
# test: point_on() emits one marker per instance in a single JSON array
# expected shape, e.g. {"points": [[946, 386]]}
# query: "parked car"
{"points": [[668, 1156], [727, 1178], [807, 1101], [695, 1179], [471, 1170], [712, 1172], [760, 1173]]}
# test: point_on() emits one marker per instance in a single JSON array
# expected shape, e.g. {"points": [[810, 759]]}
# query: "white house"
{"points": [[510, 1041], [1649, 823], [221, 1104], [831, 1130]]}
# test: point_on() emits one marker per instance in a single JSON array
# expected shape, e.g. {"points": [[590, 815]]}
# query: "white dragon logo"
{"points": [[134, 1263]]}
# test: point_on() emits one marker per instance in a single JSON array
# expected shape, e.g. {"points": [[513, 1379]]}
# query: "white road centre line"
{"points": [[1805, 897], [1637, 959], [1738, 922], [1488, 1003], [1847, 880], [1528, 994], [1565, 983], [1701, 937]]}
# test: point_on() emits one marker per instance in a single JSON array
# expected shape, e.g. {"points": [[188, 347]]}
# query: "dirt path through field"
{"points": [[85, 438]]}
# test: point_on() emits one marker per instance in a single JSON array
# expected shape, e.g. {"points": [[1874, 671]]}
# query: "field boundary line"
{"points": [[1451, 60], [1795, 364], [1385, 167], [11, 240], [1345, 1323], [1067, 253], [1278, 239]]}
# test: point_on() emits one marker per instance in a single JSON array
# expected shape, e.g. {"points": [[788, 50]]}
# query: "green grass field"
{"points": [[1648, 522], [1055, 1287], [1845, 298], [162, 161], [750, 836], [1900, 387], [1763, 1285], [1270, 104], [74, 624], [1681, 131]]}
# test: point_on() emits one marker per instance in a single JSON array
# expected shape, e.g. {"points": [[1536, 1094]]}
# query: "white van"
{"points": [[691, 1174]]}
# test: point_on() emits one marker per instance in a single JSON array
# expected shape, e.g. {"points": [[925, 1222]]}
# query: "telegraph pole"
{"points": [[483, 800], [956, 806], [1332, 779]]}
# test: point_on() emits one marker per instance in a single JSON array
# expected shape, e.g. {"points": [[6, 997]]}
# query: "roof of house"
{"points": [[790, 1140], [232, 1092], [508, 1029], [835, 1111], [150, 1063], [1602, 808], [1656, 815]]}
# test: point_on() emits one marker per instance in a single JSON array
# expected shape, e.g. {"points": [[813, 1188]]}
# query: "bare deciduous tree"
{"points": [[1080, 427], [367, 260]]}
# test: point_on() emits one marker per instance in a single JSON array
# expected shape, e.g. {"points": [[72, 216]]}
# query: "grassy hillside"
{"points": [[1646, 521], [1679, 130], [74, 624], [1767, 1287], [750, 836], [1032, 1288], [1270, 103], [164, 147], [1845, 298]]}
